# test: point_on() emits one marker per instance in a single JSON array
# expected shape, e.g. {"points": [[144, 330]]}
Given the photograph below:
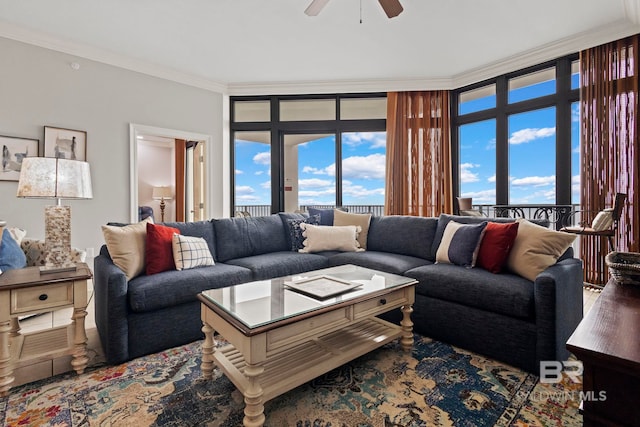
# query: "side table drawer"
{"points": [[41, 297], [381, 304]]}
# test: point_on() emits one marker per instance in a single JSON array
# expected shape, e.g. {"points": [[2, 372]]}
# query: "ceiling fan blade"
{"points": [[392, 8], [315, 7]]}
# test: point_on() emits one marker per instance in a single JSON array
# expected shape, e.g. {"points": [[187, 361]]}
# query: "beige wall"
{"points": [[38, 87]]}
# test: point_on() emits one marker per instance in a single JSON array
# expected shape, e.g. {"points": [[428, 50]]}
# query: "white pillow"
{"points": [[320, 238], [126, 246], [190, 252], [603, 221], [341, 218]]}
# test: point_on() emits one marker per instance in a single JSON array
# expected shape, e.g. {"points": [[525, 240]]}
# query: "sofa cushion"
{"points": [[11, 256], [460, 243], [326, 215], [318, 238], [405, 235], [295, 232], [158, 248], [536, 248], [248, 236], [385, 261], [496, 245], [202, 229], [127, 246], [507, 294], [341, 218], [278, 264], [444, 219], [171, 288], [190, 252]]}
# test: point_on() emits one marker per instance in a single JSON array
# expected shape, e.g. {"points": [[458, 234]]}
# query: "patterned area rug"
{"points": [[437, 385]]}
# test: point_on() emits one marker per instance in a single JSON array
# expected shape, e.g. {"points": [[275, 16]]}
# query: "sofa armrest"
{"points": [[559, 307], [111, 309]]}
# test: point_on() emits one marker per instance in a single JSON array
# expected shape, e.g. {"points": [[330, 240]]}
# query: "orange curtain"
{"points": [[610, 149], [418, 154], [181, 148]]}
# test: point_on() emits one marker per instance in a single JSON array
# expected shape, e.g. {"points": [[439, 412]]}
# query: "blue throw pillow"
{"points": [[11, 256], [295, 231], [460, 244], [326, 215]]}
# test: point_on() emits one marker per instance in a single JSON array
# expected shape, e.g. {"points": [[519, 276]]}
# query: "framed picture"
{"points": [[65, 143], [13, 151]]}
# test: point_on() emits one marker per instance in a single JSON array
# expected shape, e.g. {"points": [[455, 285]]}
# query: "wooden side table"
{"points": [[25, 291], [606, 341]]}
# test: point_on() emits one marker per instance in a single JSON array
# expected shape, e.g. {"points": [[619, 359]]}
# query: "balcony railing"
{"points": [[558, 215]]}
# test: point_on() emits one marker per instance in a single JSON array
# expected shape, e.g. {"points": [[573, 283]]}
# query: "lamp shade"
{"points": [[51, 178], [162, 192]]}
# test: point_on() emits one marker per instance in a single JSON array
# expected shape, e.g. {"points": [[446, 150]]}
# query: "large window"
{"points": [[515, 137], [292, 152]]}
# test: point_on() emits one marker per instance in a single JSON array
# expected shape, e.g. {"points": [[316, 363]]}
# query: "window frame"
{"points": [[279, 128], [562, 100]]}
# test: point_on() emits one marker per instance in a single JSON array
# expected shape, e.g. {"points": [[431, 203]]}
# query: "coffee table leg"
{"points": [[254, 407], [207, 352], [407, 328]]}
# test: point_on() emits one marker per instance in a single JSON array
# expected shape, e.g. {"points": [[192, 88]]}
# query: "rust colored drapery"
{"points": [[610, 150], [418, 154], [181, 148]]}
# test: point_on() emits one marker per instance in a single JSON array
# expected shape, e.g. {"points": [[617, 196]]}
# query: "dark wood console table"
{"points": [[607, 341]]}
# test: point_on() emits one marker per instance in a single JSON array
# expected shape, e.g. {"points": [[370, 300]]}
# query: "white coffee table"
{"points": [[280, 338]]}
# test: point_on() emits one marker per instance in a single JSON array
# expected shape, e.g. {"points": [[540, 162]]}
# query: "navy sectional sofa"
{"points": [[503, 316]]}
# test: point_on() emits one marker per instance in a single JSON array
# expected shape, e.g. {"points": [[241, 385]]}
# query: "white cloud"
{"points": [[263, 158], [575, 113], [530, 134], [536, 181], [481, 197], [358, 191], [317, 193], [244, 189], [375, 139], [576, 149], [239, 172], [258, 172], [492, 178], [314, 183], [363, 167], [465, 173], [491, 145], [247, 198], [315, 171], [266, 184]]}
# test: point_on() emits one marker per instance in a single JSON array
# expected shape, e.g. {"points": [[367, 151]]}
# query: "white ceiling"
{"points": [[271, 46]]}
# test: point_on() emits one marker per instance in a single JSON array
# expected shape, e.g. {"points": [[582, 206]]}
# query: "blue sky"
{"points": [[532, 139]]}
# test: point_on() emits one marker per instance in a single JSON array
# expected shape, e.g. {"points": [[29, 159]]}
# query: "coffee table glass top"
{"points": [[263, 302]]}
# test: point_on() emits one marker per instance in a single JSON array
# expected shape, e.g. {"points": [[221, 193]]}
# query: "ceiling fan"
{"points": [[392, 8]]}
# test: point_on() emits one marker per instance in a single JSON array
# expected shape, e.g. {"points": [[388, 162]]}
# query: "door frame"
{"points": [[136, 130]]}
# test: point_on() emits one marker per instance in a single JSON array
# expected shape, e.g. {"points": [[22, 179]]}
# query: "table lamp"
{"points": [[161, 193], [53, 178]]}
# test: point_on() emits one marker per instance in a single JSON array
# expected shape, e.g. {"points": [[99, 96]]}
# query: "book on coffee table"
{"points": [[321, 287]]}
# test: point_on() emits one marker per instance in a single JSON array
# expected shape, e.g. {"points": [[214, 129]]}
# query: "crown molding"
{"points": [[21, 34], [604, 34], [576, 43], [342, 86]]}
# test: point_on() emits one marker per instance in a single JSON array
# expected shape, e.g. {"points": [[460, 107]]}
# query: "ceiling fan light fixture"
{"points": [[392, 8], [315, 7]]}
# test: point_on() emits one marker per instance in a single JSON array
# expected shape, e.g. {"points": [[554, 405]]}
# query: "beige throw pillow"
{"points": [[341, 218], [126, 246], [536, 248], [190, 252], [318, 238]]}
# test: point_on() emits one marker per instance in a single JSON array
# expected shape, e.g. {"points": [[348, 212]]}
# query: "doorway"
{"points": [[172, 166]]}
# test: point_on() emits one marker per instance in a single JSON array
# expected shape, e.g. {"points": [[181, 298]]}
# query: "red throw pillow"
{"points": [[158, 250], [496, 245]]}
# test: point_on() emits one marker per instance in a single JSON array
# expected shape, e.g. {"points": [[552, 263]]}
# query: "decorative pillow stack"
{"points": [[521, 247], [318, 238], [151, 248]]}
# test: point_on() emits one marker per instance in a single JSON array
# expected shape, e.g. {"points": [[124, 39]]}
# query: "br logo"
{"points": [[551, 371]]}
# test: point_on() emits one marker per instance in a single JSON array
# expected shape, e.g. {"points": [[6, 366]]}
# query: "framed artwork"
{"points": [[65, 143], [13, 151]]}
